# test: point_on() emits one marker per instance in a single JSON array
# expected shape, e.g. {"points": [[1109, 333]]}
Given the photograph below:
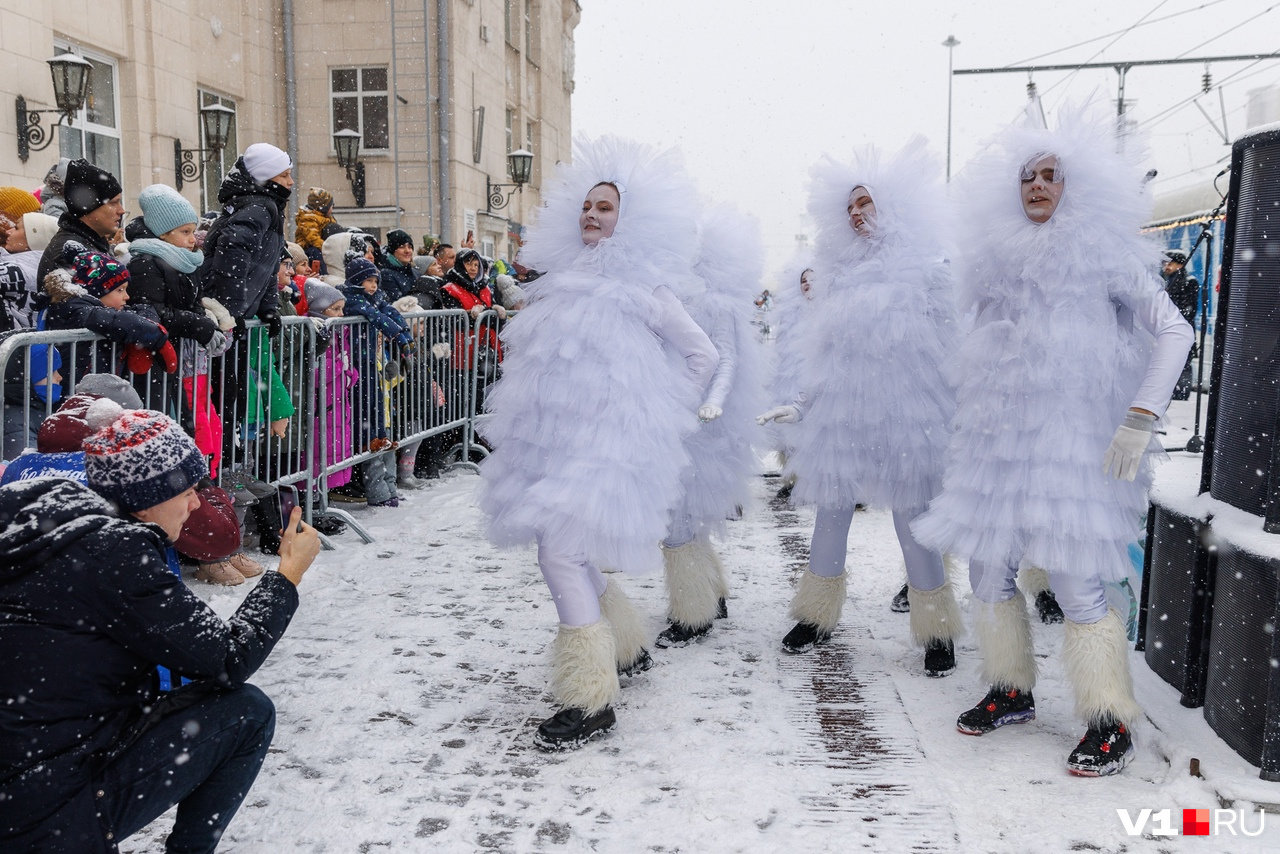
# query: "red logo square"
{"points": [[1195, 822]]}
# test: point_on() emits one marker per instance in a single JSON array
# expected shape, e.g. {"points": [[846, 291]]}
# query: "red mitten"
{"points": [[137, 358], [168, 357]]}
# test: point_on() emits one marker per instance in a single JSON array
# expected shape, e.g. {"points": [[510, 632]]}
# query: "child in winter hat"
{"points": [[320, 200], [100, 275], [361, 273], [324, 300], [164, 209], [264, 161], [138, 458]]}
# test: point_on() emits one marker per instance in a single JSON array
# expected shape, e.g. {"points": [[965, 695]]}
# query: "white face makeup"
{"points": [[1042, 186], [599, 214], [806, 284], [862, 211]]}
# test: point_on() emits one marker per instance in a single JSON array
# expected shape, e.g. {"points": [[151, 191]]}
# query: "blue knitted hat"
{"points": [[164, 209], [360, 269], [138, 458]]}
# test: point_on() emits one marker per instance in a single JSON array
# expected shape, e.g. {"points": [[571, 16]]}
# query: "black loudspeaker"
{"points": [[1242, 691], [1177, 608], [1245, 379]]}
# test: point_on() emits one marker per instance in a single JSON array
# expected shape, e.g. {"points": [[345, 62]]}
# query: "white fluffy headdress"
{"points": [[731, 257], [656, 216], [1102, 207], [905, 187]]}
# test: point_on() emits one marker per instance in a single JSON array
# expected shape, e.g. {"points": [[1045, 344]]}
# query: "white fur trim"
{"points": [[584, 670], [1033, 580], [1004, 638], [628, 627], [1096, 658], [820, 600], [935, 614], [693, 582]]}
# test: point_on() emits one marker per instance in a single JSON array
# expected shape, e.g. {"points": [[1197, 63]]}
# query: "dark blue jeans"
{"points": [[203, 758]]}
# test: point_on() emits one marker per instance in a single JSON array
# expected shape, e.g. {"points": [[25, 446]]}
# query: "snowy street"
{"points": [[410, 682]]}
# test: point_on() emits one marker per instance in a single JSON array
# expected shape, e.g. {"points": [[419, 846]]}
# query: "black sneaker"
{"points": [[678, 634], [1104, 750], [569, 729], [939, 658], [900, 604], [1047, 605], [804, 637], [643, 661], [1001, 706], [722, 609], [784, 494], [328, 525]]}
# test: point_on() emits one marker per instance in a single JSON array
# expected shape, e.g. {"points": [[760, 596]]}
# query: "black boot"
{"points": [[784, 494], [328, 525], [1105, 749], [643, 661], [569, 729], [939, 658], [722, 609], [804, 637], [900, 604], [677, 634], [1001, 706], [1047, 605]]}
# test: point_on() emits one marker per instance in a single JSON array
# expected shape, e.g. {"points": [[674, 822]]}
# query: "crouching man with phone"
{"points": [[90, 750]]}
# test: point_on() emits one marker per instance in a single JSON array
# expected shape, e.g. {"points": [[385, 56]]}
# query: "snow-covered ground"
{"points": [[410, 682]]}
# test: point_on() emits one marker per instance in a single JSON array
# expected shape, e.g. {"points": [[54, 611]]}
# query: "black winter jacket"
{"points": [[242, 249], [397, 279], [125, 326], [174, 296], [88, 607], [69, 228]]}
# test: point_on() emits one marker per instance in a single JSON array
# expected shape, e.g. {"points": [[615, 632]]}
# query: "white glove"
{"points": [[502, 312], [1128, 445], [781, 414], [440, 351], [476, 311], [218, 314], [709, 412], [319, 323], [217, 344]]}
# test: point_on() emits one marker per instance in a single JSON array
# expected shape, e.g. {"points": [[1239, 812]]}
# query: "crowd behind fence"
{"points": [[346, 395]]}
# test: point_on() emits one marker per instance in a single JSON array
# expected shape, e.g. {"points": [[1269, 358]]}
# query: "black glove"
{"points": [[242, 331], [272, 320]]}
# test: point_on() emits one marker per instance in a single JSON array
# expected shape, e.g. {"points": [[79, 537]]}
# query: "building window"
{"points": [[358, 99], [94, 133], [532, 36], [511, 135], [508, 22], [217, 168]]}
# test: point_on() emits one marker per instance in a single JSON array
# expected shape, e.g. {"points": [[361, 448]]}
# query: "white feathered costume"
{"points": [[876, 405], [589, 418], [793, 314], [1053, 359]]}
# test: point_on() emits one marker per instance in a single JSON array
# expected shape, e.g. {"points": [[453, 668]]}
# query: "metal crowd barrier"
{"points": [[352, 397]]}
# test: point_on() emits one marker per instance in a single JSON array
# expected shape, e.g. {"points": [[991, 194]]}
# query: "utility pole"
{"points": [[950, 45]]}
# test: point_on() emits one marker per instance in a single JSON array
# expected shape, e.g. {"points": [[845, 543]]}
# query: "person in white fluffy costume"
{"points": [[716, 485], [796, 298], [603, 376], [1059, 391], [871, 426]]}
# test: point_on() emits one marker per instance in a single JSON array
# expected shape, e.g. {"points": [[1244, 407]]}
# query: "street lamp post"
{"points": [[950, 45]]}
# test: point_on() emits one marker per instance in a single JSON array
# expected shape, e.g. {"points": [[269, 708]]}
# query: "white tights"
{"points": [[831, 542], [1083, 600], [575, 583]]}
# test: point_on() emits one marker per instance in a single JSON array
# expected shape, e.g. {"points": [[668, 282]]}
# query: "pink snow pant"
{"points": [[1083, 600], [576, 584], [830, 544]]}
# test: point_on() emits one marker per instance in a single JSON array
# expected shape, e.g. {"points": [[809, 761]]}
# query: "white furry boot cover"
{"points": [[1096, 658], [935, 614], [628, 628], [1033, 580], [1004, 638], [584, 669], [693, 583], [819, 601]]}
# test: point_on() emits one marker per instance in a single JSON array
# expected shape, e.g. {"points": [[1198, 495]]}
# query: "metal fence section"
{"points": [[303, 408]]}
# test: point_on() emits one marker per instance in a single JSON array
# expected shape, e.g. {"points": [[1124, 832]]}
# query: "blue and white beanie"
{"points": [[138, 458]]}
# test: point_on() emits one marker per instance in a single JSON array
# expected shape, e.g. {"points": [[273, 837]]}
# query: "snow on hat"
{"points": [[1178, 256], [15, 202], [396, 238], [359, 270], [320, 296], [110, 386], [138, 458], [297, 254], [99, 274], [88, 187], [164, 209], [64, 431], [264, 161], [319, 199]]}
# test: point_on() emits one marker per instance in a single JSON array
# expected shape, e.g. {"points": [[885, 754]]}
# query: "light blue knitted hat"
{"points": [[164, 209]]}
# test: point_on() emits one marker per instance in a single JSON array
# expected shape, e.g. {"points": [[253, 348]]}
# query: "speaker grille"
{"points": [[1176, 606], [1241, 650], [1246, 409]]}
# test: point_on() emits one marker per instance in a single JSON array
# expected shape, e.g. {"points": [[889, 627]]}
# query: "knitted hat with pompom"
{"points": [[138, 458]]}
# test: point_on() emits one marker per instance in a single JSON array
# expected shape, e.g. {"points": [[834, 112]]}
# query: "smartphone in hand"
{"points": [[288, 498]]}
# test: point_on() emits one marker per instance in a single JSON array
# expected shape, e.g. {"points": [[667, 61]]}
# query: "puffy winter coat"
{"points": [[242, 249], [79, 311], [174, 296], [375, 309], [69, 228], [310, 224], [88, 608], [397, 278]]}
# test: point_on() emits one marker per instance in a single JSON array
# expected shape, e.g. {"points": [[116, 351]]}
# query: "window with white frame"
{"points": [[511, 137], [94, 132], [216, 168], [358, 99], [532, 36]]}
